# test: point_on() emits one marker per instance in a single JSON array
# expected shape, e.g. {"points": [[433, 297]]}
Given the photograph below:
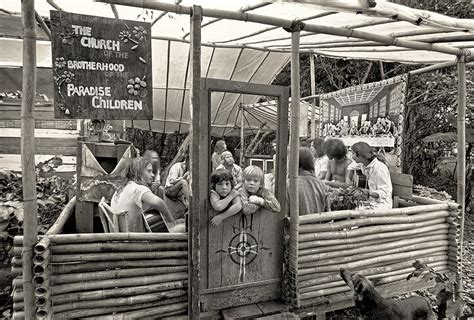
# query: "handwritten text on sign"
{"points": [[102, 67]]}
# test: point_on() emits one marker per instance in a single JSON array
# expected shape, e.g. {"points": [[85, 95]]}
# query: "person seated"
{"points": [[378, 176], [224, 198], [154, 158], [216, 159], [337, 164], [254, 194], [312, 194], [177, 182], [321, 159], [228, 163], [135, 197]]}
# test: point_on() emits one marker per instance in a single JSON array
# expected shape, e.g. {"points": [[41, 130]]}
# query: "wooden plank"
{"points": [[11, 27], [244, 312], [402, 185], [199, 166], [240, 295], [11, 111], [272, 307], [280, 316], [101, 84], [60, 146], [40, 133], [41, 124]]}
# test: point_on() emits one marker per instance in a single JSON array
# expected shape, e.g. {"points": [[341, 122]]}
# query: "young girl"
{"points": [[224, 198], [254, 194], [216, 156]]}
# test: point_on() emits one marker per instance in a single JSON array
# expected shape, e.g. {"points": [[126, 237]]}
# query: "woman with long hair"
{"points": [[135, 197]]}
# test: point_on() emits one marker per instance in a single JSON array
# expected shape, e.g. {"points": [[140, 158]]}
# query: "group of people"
{"points": [[334, 166], [233, 190]]}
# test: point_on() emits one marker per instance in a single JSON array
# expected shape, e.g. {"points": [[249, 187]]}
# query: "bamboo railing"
{"points": [[110, 276], [380, 244]]}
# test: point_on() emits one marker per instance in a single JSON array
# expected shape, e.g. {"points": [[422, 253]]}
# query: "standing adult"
{"points": [[378, 176], [313, 197], [228, 163], [216, 159], [135, 197]]}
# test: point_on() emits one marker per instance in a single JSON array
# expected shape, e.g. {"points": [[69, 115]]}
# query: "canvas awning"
{"points": [[256, 52]]}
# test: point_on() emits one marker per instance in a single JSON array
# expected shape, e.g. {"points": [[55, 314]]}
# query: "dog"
{"points": [[372, 306]]}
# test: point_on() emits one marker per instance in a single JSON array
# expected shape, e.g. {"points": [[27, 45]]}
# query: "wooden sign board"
{"points": [[101, 67]]}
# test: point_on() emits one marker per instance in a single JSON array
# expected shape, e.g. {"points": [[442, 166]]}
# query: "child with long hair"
{"points": [[338, 161], [224, 198], [254, 194]]}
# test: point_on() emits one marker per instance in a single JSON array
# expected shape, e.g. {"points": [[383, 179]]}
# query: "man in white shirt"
{"points": [[378, 176]]}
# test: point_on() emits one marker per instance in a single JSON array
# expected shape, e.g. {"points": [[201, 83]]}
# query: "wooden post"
{"points": [[294, 152], [30, 222], [313, 92], [461, 146], [242, 136], [199, 169]]}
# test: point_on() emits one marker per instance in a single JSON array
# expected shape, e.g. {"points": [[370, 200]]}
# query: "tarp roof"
{"points": [[256, 52]]}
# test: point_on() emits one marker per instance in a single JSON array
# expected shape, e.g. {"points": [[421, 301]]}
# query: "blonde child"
{"points": [[254, 194], [224, 198]]}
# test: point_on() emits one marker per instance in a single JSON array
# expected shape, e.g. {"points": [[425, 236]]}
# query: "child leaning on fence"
{"points": [[254, 194], [224, 198]]}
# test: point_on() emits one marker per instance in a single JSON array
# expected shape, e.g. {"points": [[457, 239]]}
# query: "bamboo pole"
{"points": [[118, 292], [344, 214], [42, 245], [309, 255], [42, 259], [107, 312], [115, 274], [242, 135], [379, 278], [119, 247], [294, 155], [64, 216], [286, 23], [367, 230], [313, 92], [443, 234], [371, 261], [30, 222], [316, 260], [386, 235], [103, 237], [199, 159], [461, 158], [120, 283], [107, 265], [42, 24], [429, 201], [150, 312], [120, 301], [360, 222], [110, 256], [318, 279]]}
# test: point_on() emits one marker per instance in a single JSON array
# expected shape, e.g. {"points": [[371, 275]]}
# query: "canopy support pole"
{"points": [[461, 160], [294, 156], [199, 169], [242, 136], [313, 93], [30, 222]]}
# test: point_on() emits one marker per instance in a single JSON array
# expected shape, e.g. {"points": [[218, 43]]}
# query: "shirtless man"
{"points": [[337, 164]]}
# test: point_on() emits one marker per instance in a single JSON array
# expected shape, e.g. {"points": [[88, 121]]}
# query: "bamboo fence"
{"points": [[380, 244], [110, 276]]}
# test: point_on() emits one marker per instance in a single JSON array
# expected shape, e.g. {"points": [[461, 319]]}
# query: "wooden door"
{"points": [[241, 260]]}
